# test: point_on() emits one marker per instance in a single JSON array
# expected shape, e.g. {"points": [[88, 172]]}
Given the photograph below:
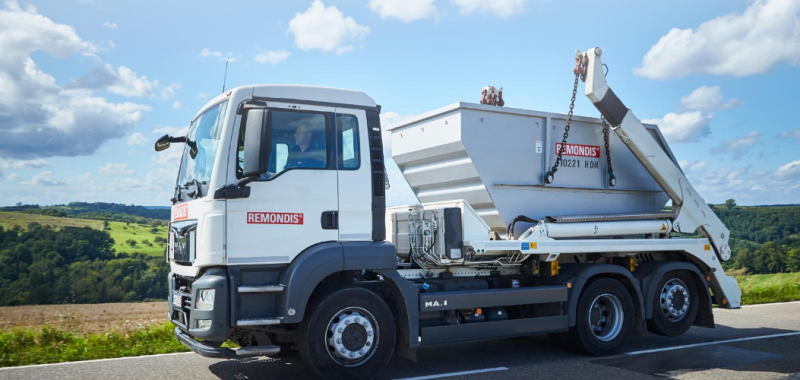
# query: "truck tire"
{"points": [[347, 334], [675, 304], [605, 319]]}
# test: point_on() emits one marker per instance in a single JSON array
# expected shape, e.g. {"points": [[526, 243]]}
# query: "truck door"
{"points": [[295, 204], [355, 181]]}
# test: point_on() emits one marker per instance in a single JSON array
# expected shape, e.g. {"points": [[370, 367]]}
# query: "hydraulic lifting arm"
{"points": [[692, 212]]}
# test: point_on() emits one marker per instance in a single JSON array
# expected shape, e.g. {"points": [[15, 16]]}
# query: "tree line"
{"points": [[97, 210], [42, 265], [763, 239]]}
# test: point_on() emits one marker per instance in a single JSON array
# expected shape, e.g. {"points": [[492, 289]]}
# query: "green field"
{"points": [[119, 231], [767, 288], [10, 219]]}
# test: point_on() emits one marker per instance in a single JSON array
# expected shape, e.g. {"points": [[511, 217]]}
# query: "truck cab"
{"points": [[324, 183]]}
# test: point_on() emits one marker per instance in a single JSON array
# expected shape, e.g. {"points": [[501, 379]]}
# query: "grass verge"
{"points": [[768, 288], [21, 346]]}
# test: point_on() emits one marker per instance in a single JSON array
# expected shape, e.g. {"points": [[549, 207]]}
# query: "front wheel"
{"points": [[675, 305], [347, 334]]}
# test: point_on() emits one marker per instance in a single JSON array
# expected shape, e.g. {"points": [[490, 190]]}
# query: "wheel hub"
{"points": [[606, 317], [351, 336], [675, 300]]}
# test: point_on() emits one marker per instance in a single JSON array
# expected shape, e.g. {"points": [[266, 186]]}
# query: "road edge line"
{"points": [[712, 343], [92, 361], [771, 304], [450, 374]]}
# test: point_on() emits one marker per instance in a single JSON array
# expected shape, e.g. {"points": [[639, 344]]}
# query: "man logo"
{"points": [[435, 303]]}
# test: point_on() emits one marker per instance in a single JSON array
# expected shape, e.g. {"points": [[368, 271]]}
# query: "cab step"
{"points": [[258, 322], [270, 288]]}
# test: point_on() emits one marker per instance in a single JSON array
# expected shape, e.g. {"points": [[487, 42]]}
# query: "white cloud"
{"points": [[403, 10], [13, 177], [110, 25], [203, 95], [326, 29], [745, 185], [215, 54], [707, 98], [691, 166], [737, 145], [694, 124], [115, 169], [176, 105], [172, 131], [136, 139], [765, 35], [499, 8], [38, 118], [683, 127], [790, 170], [795, 134], [46, 179], [389, 118], [36, 163], [272, 56], [125, 82]]}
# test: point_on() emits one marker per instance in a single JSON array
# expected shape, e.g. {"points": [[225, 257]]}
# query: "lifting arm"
{"points": [[692, 212]]}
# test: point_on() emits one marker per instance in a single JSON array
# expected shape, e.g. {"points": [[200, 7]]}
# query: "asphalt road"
{"points": [[727, 352]]}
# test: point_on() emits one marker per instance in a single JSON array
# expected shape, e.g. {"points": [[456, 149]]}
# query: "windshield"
{"points": [[202, 143]]}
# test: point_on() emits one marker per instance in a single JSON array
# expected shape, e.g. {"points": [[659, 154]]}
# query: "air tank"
{"points": [[496, 158]]}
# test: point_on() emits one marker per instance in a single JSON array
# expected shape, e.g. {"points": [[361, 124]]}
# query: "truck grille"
{"points": [[180, 312]]}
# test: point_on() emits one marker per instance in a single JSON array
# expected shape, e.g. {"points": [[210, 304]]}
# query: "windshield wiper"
{"points": [[198, 189]]}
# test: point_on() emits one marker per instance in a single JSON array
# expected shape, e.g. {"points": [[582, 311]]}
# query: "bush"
{"points": [[52, 345]]}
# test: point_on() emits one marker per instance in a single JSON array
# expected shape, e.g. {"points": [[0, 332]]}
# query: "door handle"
{"points": [[330, 220]]}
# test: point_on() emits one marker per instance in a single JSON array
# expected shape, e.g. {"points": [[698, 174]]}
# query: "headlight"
{"points": [[203, 324], [205, 299]]}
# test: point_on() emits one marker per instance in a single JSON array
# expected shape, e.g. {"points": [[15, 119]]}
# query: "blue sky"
{"points": [[86, 86]]}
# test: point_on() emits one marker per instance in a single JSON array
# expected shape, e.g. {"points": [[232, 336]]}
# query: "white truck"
{"points": [[280, 240]]}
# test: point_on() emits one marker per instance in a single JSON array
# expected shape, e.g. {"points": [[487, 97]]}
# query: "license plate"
{"points": [[177, 301]]}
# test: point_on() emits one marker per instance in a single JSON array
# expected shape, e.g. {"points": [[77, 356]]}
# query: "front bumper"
{"points": [[185, 315], [203, 348], [210, 351]]}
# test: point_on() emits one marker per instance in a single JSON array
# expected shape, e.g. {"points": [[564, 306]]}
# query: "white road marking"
{"points": [[771, 304], [455, 374], [712, 343], [93, 361]]}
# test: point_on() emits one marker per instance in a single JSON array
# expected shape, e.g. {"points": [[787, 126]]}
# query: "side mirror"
{"points": [[257, 140], [162, 143]]}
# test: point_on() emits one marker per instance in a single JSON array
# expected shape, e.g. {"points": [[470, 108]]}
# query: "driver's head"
{"points": [[302, 136]]}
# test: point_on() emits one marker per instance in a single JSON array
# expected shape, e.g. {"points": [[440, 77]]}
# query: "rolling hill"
{"points": [[119, 231]]}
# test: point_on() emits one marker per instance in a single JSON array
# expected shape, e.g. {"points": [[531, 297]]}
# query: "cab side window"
{"points": [[347, 128], [299, 141]]}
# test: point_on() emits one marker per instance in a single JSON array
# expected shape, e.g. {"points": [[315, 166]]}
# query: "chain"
{"points": [[550, 176], [612, 180]]}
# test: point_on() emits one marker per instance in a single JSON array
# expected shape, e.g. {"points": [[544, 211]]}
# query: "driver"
{"points": [[304, 154]]}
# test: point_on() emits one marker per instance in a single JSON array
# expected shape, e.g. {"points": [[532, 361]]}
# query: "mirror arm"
{"points": [[179, 139]]}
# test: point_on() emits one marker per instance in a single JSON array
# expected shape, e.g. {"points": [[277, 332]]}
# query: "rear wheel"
{"points": [[675, 305], [604, 320], [347, 334]]}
